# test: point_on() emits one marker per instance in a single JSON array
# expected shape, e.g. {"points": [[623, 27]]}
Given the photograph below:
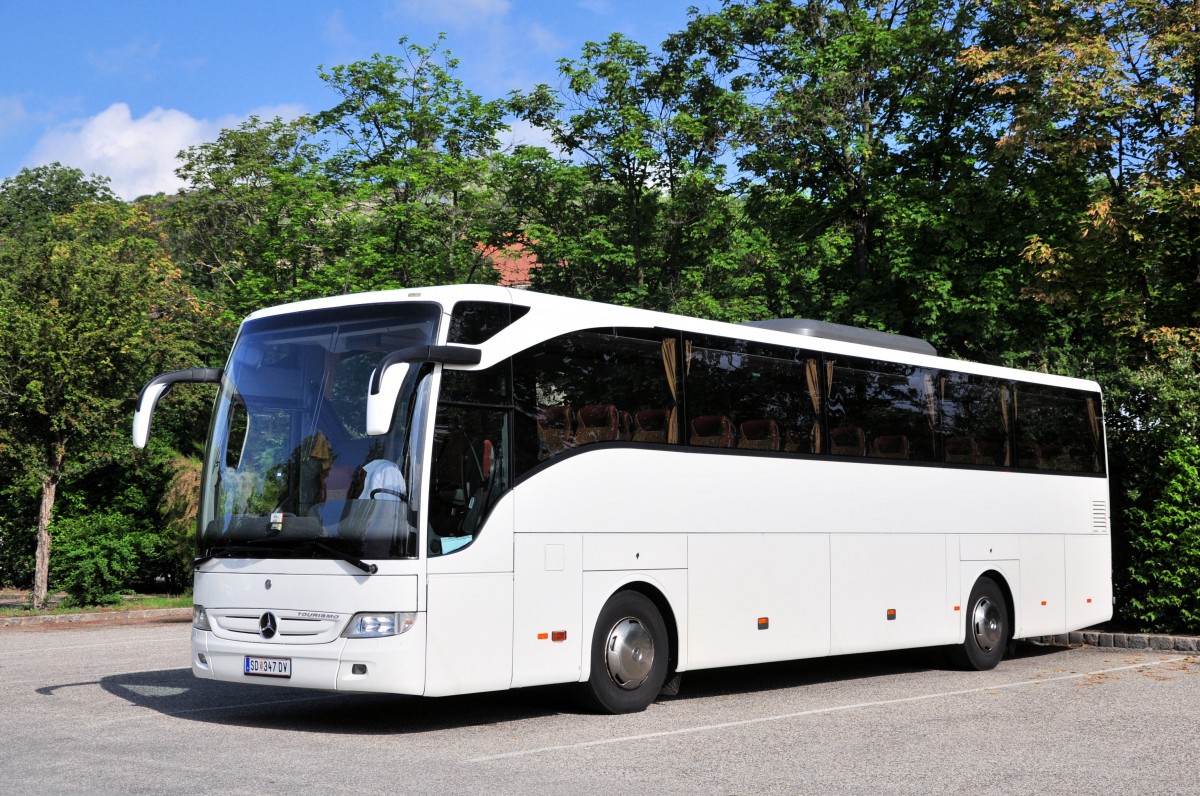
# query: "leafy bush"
{"points": [[1153, 415], [178, 508], [1166, 563], [97, 556]]}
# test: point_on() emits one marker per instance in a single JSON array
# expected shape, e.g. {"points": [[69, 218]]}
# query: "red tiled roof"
{"points": [[513, 261]]}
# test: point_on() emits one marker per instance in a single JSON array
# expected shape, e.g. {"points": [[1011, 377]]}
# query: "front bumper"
{"points": [[391, 665]]}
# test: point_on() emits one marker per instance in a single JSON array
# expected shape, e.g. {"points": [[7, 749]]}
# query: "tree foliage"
{"points": [[82, 307], [1016, 181], [387, 188], [636, 209]]}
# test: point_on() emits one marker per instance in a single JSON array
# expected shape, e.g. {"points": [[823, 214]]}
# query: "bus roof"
{"points": [[555, 315]]}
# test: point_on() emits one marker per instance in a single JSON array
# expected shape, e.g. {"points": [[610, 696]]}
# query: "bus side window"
{"points": [[974, 420], [470, 469], [470, 474], [881, 410], [593, 387], [750, 396], [1058, 430]]}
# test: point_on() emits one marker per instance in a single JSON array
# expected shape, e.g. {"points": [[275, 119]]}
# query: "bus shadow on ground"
{"points": [[818, 671], [176, 693]]}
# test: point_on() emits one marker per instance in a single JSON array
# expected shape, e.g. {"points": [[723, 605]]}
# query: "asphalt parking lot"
{"points": [[114, 709]]}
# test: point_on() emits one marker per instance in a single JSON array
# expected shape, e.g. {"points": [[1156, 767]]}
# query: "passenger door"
{"points": [[469, 605]]}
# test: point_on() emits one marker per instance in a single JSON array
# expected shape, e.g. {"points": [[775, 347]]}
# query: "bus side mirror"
{"points": [[156, 388], [388, 378], [386, 382]]}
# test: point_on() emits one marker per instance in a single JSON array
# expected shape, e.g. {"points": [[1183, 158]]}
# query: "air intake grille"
{"points": [[293, 627], [1100, 516]]}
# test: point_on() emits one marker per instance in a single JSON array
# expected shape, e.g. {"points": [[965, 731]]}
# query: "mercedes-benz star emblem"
{"points": [[268, 625]]}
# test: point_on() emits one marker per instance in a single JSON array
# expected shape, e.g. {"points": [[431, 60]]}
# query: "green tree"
{"points": [[85, 314], [1166, 565], [36, 194], [866, 151], [1153, 418], [257, 219], [390, 187], [1113, 89], [635, 209], [412, 148], [1111, 92]]}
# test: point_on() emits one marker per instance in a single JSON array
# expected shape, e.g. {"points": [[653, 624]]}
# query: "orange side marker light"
{"points": [[764, 622], [558, 635], [543, 636]]}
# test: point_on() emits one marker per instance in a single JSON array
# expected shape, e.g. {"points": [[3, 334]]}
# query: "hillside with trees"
{"points": [[1017, 182]]}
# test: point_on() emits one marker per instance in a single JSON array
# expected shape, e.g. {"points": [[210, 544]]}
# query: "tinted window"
{"points": [[471, 467], [741, 395], [490, 386], [473, 322], [975, 420], [591, 387], [1058, 430], [881, 410]]}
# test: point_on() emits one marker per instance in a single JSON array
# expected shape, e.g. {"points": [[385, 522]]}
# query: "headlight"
{"points": [[200, 618], [377, 625]]}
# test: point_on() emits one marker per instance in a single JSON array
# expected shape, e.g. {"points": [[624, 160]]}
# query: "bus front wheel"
{"points": [[629, 655], [988, 628]]}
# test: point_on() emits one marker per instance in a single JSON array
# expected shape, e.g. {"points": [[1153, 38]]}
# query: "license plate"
{"points": [[269, 667]]}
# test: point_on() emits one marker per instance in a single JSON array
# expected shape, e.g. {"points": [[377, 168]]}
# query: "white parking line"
{"points": [[803, 713]]}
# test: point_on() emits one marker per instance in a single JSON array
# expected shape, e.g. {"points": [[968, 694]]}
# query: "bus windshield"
{"points": [[290, 470]]}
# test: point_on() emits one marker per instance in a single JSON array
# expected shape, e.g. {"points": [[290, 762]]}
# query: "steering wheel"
{"points": [[387, 491]]}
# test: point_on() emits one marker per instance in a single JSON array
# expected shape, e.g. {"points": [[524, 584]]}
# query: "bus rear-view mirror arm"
{"points": [[158, 387], [389, 374]]}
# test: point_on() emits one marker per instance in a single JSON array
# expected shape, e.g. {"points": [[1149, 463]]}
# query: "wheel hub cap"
{"points": [[629, 653], [985, 620]]}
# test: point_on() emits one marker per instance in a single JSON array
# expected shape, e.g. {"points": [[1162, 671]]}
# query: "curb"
{"points": [[1133, 641], [161, 614]]}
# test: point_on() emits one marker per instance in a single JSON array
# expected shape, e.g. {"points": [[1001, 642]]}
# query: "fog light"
{"points": [[358, 668], [378, 625], [200, 656]]}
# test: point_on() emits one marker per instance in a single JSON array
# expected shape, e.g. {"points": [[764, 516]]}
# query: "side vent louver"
{"points": [[1100, 516]]}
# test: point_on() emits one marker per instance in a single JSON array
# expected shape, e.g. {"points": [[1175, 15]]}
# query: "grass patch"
{"points": [[139, 602]]}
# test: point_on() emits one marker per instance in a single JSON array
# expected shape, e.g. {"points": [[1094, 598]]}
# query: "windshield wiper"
{"points": [[222, 550], [296, 544], [293, 544], [370, 569]]}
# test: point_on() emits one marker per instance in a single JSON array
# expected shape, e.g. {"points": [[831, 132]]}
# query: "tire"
{"points": [[630, 655], [988, 629]]}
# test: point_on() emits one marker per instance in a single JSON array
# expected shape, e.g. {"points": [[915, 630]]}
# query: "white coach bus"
{"points": [[462, 489]]}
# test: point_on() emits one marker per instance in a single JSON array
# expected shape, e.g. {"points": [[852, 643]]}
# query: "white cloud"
{"points": [[601, 7], [522, 133], [134, 60], [336, 32], [137, 155], [545, 40], [455, 13], [13, 114]]}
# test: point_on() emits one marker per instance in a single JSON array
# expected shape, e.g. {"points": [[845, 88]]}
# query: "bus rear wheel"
{"points": [[988, 628], [629, 655]]}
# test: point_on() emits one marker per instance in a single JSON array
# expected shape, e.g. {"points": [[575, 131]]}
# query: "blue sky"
{"points": [[118, 88]]}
